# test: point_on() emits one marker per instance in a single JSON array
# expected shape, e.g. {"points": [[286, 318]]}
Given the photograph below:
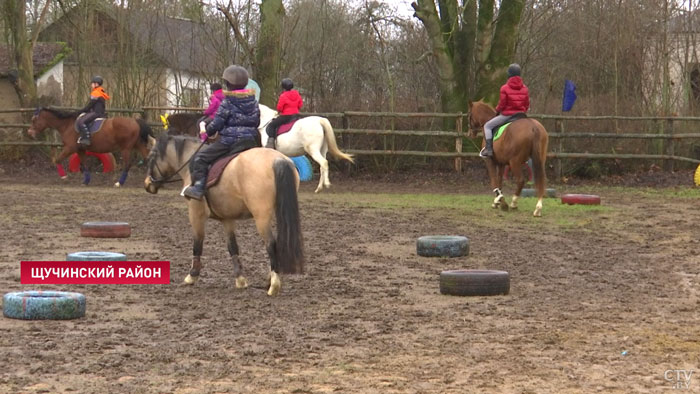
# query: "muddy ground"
{"points": [[606, 301]]}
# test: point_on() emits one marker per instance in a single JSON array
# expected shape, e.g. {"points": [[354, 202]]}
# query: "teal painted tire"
{"points": [[442, 246], [43, 305], [474, 282], [95, 256], [304, 168], [532, 193]]}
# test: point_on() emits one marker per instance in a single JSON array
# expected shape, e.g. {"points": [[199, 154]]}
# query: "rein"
{"points": [[167, 178]]}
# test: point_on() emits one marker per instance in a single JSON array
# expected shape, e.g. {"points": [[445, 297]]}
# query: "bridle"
{"points": [[152, 158], [472, 130]]}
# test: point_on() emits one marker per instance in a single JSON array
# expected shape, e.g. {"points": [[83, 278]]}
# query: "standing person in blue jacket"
{"points": [[236, 121]]}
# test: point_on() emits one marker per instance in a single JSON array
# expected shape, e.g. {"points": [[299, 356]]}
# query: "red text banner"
{"points": [[95, 272]]}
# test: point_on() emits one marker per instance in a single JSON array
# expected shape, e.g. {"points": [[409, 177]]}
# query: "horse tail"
{"points": [[539, 156], [330, 140], [289, 248], [145, 131]]}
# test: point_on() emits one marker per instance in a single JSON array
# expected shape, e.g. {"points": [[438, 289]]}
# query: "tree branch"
{"points": [[237, 32]]}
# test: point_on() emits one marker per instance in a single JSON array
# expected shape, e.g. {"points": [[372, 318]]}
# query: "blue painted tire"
{"points": [[95, 256], [531, 193], [43, 305], [303, 165], [442, 246]]}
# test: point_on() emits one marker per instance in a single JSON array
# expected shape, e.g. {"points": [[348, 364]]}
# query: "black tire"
{"points": [[474, 282], [442, 246]]}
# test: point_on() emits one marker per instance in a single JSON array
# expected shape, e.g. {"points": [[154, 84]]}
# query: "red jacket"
{"points": [[289, 103], [514, 97]]}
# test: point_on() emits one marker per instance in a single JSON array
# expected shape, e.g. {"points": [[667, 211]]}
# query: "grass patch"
{"points": [[477, 209]]}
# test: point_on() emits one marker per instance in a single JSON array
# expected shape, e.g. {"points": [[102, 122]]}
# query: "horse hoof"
{"points": [[504, 207], [513, 207], [537, 213], [190, 280], [241, 283], [117, 184], [64, 177], [273, 291]]}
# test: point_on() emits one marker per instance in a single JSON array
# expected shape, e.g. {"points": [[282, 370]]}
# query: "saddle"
{"points": [[218, 167], [286, 127], [93, 127], [502, 127]]}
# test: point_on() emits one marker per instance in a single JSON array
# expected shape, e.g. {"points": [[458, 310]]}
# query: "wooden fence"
{"points": [[667, 134]]}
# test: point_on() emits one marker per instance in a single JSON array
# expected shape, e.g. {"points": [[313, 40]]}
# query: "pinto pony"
{"points": [[259, 183], [522, 139], [118, 133], [312, 135]]}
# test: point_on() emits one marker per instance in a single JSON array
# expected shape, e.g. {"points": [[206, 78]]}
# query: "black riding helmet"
{"points": [[236, 76], [513, 70], [287, 84], [97, 79]]}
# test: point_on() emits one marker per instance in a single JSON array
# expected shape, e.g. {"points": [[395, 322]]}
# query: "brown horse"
{"points": [[522, 139], [259, 183], [119, 133]]}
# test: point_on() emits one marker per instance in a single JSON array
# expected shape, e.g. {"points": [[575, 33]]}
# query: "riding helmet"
{"points": [[97, 79], [236, 76], [513, 70], [287, 84]]}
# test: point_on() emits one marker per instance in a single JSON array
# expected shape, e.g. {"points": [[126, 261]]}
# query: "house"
{"points": [[48, 60], [146, 58]]}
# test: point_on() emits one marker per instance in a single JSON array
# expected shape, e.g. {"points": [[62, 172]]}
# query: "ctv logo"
{"points": [[679, 378]]}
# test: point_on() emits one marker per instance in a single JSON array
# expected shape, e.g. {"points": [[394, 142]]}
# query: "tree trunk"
{"points": [[269, 50], [15, 18], [472, 49]]}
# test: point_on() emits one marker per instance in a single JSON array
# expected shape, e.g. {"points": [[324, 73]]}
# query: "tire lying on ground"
{"points": [[95, 256], [532, 193], [442, 246], [43, 305], [474, 282], [105, 230], [582, 199]]}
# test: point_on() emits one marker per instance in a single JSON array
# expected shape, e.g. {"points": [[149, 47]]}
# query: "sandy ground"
{"points": [[608, 304]]}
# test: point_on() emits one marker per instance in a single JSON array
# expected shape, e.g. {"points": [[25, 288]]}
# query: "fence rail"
{"points": [[666, 135]]}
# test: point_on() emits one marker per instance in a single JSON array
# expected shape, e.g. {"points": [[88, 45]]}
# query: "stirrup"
{"points": [[482, 153]]}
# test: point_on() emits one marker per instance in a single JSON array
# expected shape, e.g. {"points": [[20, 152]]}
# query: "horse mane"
{"points": [[59, 113], [179, 140]]}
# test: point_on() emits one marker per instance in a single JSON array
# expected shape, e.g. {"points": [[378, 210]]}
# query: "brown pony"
{"points": [[119, 133], [522, 139], [259, 183]]}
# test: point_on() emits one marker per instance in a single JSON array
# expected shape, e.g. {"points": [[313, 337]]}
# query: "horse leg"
{"points": [[517, 170], [230, 226], [84, 167], [126, 160], [323, 163], [57, 159], [198, 218], [263, 222], [496, 175]]}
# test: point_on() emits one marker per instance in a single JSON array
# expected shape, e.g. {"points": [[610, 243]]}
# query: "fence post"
{"points": [[458, 143], [559, 128], [670, 146]]}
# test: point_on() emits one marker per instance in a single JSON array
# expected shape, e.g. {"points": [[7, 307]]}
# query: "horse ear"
{"points": [[471, 103]]}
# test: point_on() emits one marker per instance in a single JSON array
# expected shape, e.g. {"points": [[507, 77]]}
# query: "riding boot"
{"points": [[270, 143], [196, 190], [488, 149], [84, 139]]}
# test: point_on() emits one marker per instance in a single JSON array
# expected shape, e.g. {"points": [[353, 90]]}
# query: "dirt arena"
{"points": [[603, 299]]}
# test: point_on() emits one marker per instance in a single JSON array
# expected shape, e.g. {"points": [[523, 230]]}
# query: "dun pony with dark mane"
{"points": [[522, 139], [259, 183], [118, 133]]}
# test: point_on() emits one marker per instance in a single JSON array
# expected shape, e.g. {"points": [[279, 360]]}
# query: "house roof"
{"points": [[45, 54], [180, 44]]}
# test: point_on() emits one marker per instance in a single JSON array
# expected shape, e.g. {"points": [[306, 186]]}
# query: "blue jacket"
{"points": [[237, 118]]}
